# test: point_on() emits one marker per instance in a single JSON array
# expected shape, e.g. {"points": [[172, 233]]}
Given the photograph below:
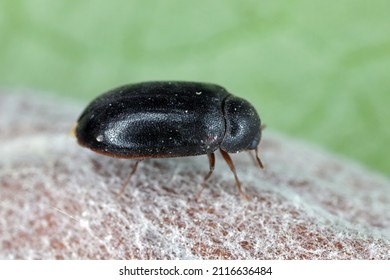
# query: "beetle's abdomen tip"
{"points": [[72, 131]]}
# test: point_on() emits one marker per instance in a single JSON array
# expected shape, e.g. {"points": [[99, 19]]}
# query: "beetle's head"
{"points": [[243, 126]]}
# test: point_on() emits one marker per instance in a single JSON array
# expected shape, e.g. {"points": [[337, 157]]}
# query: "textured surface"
{"points": [[59, 200]]}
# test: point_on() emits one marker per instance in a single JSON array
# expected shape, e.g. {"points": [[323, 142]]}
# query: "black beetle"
{"points": [[170, 119]]}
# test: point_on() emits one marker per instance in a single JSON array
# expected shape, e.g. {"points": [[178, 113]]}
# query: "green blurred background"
{"points": [[317, 70]]}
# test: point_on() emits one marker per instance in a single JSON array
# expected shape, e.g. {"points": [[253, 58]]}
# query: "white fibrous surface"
{"points": [[60, 201]]}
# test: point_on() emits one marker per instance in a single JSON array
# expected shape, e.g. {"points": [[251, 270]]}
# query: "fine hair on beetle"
{"points": [[170, 119]]}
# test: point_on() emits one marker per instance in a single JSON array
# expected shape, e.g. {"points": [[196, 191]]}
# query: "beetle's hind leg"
{"points": [[229, 162], [126, 182], [212, 164]]}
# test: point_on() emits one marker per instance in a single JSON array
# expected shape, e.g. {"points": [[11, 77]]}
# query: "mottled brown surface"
{"points": [[59, 201]]}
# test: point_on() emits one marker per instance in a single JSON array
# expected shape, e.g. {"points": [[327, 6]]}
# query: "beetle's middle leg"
{"points": [[212, 164]]}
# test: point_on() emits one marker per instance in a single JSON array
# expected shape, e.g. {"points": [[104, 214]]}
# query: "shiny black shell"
{"points": [[168, 119]]}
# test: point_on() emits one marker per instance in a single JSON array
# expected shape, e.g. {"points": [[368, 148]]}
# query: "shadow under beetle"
{"points": [[170, 119]]}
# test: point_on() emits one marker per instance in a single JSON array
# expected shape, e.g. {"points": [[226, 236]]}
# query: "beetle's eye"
{"points": [[253, 144], [99, 138]]}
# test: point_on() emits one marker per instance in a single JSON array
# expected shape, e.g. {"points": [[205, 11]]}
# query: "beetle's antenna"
{"points": [[126, 182], [256, 159], [262, 127], [259, 162], [212, 164]]}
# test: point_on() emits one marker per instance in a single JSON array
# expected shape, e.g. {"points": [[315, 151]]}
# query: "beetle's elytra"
{"points": [[170, 119]]}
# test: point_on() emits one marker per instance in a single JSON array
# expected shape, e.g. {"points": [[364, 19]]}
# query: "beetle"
{"points": [[160, 119]]}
